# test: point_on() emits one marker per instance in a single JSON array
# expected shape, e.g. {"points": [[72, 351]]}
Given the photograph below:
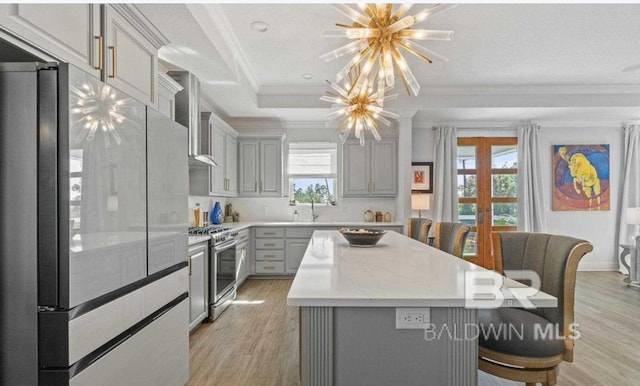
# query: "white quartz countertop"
{"points": [[317, 224], [398, 272], [193, 240]]}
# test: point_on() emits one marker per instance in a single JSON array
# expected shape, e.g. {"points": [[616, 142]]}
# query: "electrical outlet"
{"points": [[412, 318]]}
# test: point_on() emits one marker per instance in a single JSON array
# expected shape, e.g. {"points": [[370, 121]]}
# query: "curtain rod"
{"points": [[494, 128]]}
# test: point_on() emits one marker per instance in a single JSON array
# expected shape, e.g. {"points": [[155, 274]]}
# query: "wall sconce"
{"points": [[420, 202]]}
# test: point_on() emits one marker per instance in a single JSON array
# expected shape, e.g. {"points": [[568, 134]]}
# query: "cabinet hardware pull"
{"points": [[100, 52], [114, 69], [269, 233], [271, 256], [256, 187], [373, 186], [271, 267], [269, 245]]}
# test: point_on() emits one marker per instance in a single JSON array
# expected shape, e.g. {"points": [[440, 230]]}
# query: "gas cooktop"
{"points": [[208, 230]]}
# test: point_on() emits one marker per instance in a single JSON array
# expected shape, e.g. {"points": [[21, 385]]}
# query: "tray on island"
{"points": [[362, 237]]}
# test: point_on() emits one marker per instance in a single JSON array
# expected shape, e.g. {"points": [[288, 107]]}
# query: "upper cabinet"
{"points": [[71, 32], [260, 166], [130, 52], [223, 179], [370, 170], [115, 43]]}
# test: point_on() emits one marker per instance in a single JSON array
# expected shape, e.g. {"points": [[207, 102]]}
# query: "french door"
{"points": [[487, 192]]}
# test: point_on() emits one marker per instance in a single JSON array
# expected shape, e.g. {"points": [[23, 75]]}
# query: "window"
{"points": [[313, 172]]}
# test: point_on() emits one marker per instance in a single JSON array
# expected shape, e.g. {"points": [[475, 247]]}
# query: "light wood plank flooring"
{"points": [[255, 341]]}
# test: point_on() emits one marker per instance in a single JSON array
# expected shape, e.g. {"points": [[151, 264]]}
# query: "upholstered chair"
{"points": [[450, 237], [531, 356], [418, 228]]}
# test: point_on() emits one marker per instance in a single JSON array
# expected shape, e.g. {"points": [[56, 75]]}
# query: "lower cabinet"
{"points": [[295, 252], [198, 283], [269, 247], [279, 250], [242, 257]]}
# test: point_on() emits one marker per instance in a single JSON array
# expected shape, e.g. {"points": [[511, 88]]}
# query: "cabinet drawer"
{"points": [[269, 267], [270, 255], [270, 232], [300, 232], [269, 243], [243, 235]]}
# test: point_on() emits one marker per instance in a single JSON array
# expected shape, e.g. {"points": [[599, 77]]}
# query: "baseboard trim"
{"points": [[598, 266]]}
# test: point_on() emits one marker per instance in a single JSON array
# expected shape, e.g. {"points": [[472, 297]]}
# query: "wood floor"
{"points": [[255, 341]]}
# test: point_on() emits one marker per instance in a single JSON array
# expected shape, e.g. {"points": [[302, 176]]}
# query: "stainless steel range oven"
{"points": [[222, 266], [222, 288]]}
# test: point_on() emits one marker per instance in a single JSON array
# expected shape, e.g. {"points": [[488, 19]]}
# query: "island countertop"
{"points": [[398, 272]]}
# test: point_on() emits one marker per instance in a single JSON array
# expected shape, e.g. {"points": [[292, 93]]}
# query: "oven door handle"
{"points": [[222, 247]]}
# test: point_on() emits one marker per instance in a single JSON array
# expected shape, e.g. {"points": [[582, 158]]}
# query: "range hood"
{"points": [[188, 114]]}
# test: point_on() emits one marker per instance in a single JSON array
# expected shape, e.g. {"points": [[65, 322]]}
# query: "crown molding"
{"points": [[139, 21], [168, 83]]}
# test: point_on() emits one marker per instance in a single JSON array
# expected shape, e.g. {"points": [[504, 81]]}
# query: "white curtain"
{"points": [[445, 175], [530, 177], [630, 196]]}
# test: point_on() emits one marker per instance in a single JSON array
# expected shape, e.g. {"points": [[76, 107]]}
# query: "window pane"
{"points": [[504, 157], [470, 246], [467, 185], [313, 158], [466, 157], [467, 214], [504, 213], [504, 185], [320, 190]]}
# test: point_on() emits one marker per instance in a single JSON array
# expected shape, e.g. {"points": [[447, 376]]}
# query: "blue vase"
{"points": [[215, 216]]}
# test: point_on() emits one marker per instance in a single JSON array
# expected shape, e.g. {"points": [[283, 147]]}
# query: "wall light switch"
{"points": [[412, 318]]}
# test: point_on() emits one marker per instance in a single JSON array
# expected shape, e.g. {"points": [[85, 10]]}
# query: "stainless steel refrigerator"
{"points": [[93, 272]]}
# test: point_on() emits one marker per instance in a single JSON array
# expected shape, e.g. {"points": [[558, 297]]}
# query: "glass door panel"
{"points": [[107, 185], [487, 192]]}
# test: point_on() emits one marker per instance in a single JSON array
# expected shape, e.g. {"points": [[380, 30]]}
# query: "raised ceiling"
{"points": [[526, 61]]}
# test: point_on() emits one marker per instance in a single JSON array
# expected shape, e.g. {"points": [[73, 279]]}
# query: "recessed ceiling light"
{"points": [[307, 76], [260, 26]]}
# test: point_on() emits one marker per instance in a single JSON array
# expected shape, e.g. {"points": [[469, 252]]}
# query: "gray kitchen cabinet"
{"points": [[130, 55], [242, 257], [231, 165], [167, 89], [71, 32], [370, 170], [115, 43], [218, 180], [260, 167], [295, 249], [269, 247], [198, 283], [224, 149]]}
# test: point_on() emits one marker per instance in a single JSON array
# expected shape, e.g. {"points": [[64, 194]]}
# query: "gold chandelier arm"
{"points": [[415, 52], [425, 51]]}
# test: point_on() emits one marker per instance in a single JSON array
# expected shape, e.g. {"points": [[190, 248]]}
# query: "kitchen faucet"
{"points": [[314, 216]]}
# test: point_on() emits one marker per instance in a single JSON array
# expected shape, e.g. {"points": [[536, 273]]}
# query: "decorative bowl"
{"points": [[362, 237]]}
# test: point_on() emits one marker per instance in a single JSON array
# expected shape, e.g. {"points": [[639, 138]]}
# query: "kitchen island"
{"points": [[348, 299]]}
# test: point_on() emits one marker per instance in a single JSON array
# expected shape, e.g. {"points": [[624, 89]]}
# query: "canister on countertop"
{"points": [[228, 210], [378, 216], [196, 216]]}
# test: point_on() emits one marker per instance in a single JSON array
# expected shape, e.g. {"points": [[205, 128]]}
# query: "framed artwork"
{"points": [[422, 178], [581, 177]]}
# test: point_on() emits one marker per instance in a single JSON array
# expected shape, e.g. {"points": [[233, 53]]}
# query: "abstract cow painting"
{"points": [[581, 177]]}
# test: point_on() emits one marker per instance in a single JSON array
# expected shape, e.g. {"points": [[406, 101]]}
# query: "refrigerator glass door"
{"points": [[106, 185]]}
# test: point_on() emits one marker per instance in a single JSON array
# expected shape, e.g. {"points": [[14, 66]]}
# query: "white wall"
{"points": [[597, 227]]}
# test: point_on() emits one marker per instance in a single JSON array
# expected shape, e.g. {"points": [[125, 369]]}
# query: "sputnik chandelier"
{"points": [[379, 32]]}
